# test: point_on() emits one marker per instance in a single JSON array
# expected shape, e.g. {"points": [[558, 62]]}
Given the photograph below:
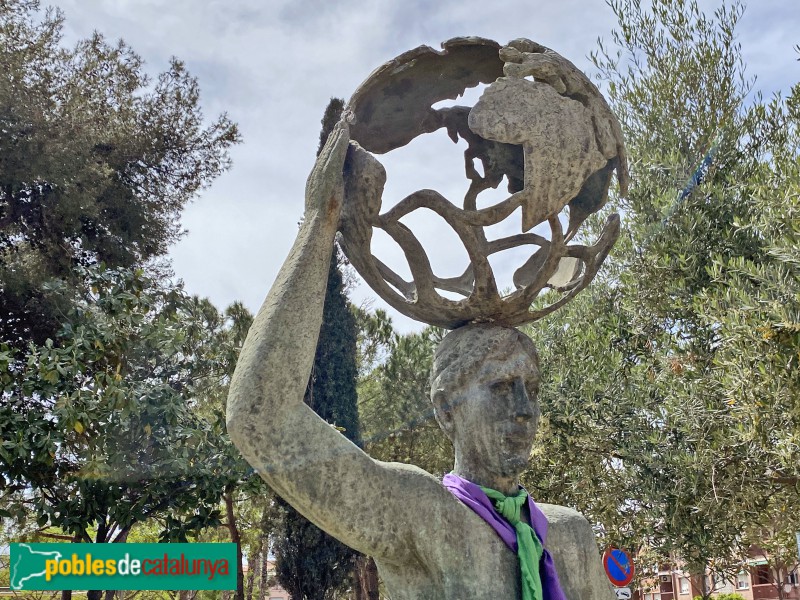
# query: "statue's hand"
{"points": [[525, 58], [325, 185]]}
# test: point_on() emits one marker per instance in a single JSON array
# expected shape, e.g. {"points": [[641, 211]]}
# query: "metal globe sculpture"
{"points": [[540, 123]]}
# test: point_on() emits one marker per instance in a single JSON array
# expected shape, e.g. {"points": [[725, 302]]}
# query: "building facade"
{"points": [[756, 581]]}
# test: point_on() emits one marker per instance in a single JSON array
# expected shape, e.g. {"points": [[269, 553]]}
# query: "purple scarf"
{"points": [[473, 497]]}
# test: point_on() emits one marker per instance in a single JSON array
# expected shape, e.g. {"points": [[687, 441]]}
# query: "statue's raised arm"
{"points": [[272, 372], [304, 459]]}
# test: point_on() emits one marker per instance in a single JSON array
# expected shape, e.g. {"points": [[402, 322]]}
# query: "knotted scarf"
{"points": [[476, 499], [529, 548]]}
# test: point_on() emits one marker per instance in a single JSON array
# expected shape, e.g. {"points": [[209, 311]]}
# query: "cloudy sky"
{"points": [[274, 64]]}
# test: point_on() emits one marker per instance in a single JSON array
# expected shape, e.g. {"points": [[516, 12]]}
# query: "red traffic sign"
{"points": [[618, 566]]}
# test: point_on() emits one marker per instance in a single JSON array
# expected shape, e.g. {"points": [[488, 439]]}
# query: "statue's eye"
{"points": [[502, 388]]}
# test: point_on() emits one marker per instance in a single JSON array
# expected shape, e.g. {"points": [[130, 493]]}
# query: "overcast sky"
{"points": [[274, 64]]}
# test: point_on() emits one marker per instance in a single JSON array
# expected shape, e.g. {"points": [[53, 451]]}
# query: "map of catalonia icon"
{"points": [[27, 564]]}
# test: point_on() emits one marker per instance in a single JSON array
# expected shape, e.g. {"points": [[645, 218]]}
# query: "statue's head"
{"points": [[484, 388]]}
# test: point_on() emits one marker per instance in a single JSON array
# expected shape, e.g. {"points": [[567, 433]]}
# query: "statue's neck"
{"points": [[479, 476]]}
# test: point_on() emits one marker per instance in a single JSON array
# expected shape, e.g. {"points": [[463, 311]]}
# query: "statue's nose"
{"points": [[523, 405]]}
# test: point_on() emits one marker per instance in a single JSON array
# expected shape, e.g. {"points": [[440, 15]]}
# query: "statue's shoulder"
{"points": [[572, 544], [415, 483], [566, 525], [423, 494], [562, 515], [411, 470]]}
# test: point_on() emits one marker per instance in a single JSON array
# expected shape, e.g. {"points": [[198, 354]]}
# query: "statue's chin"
{"points": [[514, 465]]}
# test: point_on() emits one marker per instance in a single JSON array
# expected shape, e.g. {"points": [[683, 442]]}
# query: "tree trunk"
{"points": [[120, 538], [373, 588], [704, 591], [67, 594], [236, 538], [365, 577], [263, 587], [358, 584], [778, 582], [263, 558], [254, 568], [100, 538]]}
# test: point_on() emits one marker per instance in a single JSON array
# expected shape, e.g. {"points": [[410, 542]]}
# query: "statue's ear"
{"points": [[443, 412]]}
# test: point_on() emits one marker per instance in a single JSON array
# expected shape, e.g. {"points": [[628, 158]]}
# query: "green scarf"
{"points": [[529, 548]]}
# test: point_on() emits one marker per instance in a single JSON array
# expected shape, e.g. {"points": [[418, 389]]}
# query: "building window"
{"points": [[763, 575], [717, 583], [793, 578], [684, 585], [742, 581]]}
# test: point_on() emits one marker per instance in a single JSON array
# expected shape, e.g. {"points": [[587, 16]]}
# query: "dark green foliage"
{"points": [[333, 112], [331, 390], [394, 397], [310, 564], [671, 385], [101, 428], [96, 161]]}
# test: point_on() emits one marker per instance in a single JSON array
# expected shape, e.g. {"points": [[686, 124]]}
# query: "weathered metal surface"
{"points": [[540, 125]]}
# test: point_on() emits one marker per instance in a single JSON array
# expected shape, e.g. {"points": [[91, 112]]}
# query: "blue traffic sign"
{"points": [[618, 566]]}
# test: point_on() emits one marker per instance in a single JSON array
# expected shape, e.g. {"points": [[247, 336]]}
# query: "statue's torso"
{"points": [[469, 562], [457, 556]]}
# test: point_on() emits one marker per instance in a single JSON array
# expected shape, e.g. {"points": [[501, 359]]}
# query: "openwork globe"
{"points": [[540, 125]]}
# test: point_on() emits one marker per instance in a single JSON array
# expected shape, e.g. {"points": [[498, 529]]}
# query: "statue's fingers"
{"points": [[510, 54], [558, 84], [541, 71], [527, 46], [324, 188], [335, 149], [331, 157], [551, 67]]}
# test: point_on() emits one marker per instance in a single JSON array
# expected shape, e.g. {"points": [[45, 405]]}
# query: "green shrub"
{"points": [[724, 596]]}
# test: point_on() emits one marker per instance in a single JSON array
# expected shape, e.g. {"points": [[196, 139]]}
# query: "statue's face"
{"points": [[497, 414]]}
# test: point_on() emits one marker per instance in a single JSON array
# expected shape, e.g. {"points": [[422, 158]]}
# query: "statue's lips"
{"points": [[517, 437]]}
